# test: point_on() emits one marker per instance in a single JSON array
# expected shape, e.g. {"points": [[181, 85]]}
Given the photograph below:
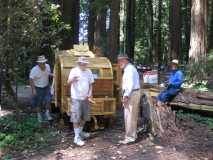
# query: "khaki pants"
{"points": [[131, 112]]}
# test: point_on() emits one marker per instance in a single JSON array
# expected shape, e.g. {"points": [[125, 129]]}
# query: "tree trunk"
{"points": [[175, 28], [130, 28], [100, 29], [158, 36], [122, 25], [91, 25], [70, 13], [198, 40], [114, 30], [210, 39], [151, 40], [186, 25]]}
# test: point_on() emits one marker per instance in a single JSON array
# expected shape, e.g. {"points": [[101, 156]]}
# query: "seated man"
{"points": [[173, 85]]}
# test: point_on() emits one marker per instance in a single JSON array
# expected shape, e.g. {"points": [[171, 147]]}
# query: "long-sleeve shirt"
{"points": [[131, 80], [176, 78]]}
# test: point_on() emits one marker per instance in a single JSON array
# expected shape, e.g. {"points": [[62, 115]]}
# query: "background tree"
{"points": [[114, 30], [210, 47], [70, 13], [130, 28], [198, 40], [175, 28], [27, 30]]}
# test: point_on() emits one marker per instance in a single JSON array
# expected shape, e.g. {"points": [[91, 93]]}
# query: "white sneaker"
{"points": [[127, 141], [78, 141], [48, 116], [39, 117], [85, 135]]}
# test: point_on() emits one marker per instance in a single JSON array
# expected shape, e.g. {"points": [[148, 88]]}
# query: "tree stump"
{"points": [[159, 121]]}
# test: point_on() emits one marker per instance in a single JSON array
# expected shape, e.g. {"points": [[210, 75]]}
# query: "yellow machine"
{"points": [[104, 88]]}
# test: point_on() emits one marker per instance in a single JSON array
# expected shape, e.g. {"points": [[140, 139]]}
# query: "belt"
{"points": [[135, 90]]}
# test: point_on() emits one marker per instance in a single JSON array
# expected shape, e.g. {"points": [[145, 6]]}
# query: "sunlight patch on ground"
{"points": [[4, 112]]}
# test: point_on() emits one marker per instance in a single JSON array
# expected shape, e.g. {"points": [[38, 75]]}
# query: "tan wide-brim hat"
{"points": [[175, 61], [41, 59], [83, 60]]}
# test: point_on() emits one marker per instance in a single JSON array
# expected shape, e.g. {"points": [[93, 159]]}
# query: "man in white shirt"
{"points": [[80, 82], [130, 99], [39, 82]]}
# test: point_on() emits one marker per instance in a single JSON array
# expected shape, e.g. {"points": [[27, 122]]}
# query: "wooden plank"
{"points": [[193, 106]]}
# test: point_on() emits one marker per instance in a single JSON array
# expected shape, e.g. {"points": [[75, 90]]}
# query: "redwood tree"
{"points": [[91, 25], [211, 28], [175, 28], [198, 40], [130, 28], [114, 30], [70, 12]]}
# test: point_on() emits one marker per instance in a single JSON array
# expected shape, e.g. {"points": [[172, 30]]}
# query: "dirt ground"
{"points": [[193, 142]]}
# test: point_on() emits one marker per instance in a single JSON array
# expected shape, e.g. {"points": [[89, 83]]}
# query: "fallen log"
{"points": [[187, 96]]}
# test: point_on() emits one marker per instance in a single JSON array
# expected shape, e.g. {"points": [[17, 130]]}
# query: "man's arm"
{"points": [[32, 85]]}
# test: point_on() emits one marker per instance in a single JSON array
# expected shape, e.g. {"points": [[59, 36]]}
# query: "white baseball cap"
{"points": [[175, 61]]}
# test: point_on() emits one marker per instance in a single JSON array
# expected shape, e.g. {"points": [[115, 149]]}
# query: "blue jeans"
{"points": [[168, 94], [42, 96]]}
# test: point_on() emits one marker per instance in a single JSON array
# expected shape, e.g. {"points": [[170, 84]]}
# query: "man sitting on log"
{"points": [[173, 85]]}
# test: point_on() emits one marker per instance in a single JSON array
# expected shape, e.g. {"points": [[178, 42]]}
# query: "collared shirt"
{"points": [[176, 78], [131, 80], [80, 89], [39, 77]]}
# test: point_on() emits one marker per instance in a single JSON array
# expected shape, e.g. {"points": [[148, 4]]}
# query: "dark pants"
{"points": [[168, 94], [42, 96]]}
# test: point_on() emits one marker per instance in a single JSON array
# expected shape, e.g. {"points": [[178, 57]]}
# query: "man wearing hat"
{"points": [[130, 98], [39, 82], [173, 85], [80, 83]]}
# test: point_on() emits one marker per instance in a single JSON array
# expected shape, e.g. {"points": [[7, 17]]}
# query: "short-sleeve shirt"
{"points": [[39, 77], [80, 89]]}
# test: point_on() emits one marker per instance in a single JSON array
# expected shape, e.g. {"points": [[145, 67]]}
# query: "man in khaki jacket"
{"points": [[130, 98]]}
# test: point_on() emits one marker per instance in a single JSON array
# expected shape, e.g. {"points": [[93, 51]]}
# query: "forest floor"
{"points": [[194, 142]]}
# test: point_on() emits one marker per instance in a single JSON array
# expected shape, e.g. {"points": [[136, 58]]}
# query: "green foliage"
{"points": [[21, 132], [198, 73], [26, 31], [198, 118]]}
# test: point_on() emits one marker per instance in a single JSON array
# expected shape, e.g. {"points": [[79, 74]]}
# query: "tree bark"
{"points": [[151, 40], [114, 30], [210, 39], [91, 25], [175, 29], [159, 121], [100, 28], [186, 25], [130, 28], [70, 13], [158, 37], [198, 40]]}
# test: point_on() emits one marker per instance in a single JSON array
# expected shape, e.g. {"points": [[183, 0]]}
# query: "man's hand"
{"points": [[75, 79], [90, 99], [125, 101], [162, 85]]}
